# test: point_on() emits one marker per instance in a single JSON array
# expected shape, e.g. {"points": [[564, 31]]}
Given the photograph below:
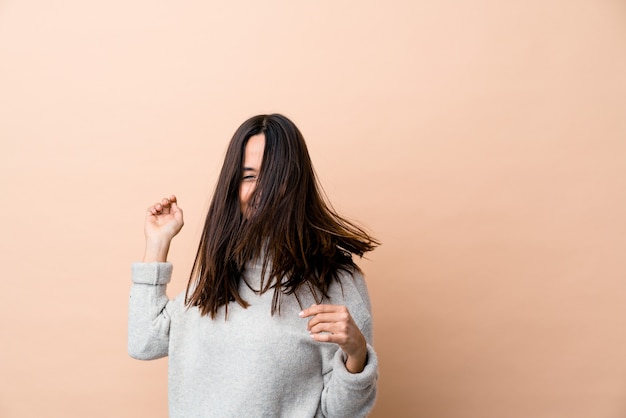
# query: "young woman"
{"points": [[276, 320]]}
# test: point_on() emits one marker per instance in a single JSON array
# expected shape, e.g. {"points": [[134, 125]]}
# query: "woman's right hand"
{"points": [[164, 220]]}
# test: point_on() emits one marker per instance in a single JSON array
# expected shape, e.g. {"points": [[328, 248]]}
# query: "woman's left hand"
{"points": [[334, 324]]}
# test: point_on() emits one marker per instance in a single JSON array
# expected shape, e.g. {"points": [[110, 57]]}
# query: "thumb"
{"points": [[178, 212]]}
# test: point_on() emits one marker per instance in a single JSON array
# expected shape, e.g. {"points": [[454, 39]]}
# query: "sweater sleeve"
{"points": [[348, 394], [148, 320]]}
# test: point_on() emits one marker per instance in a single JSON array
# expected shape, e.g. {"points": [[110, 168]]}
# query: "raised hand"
{"points": [[163, 221], [334, 324]]}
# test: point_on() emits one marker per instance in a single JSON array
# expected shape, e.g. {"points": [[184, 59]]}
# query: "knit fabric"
{"points": [[250, 364]]}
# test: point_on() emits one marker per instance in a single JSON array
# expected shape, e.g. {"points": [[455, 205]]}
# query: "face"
{"points": [[252, 159]]}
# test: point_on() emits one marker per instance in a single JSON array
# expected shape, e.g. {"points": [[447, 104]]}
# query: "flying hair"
{"points": [[293, 229]]}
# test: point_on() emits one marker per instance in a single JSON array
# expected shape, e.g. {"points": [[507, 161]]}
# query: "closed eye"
{"points": [[249, 173]]}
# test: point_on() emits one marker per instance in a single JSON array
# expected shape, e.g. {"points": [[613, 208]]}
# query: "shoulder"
{"points": [[351, 291], [354, 286]]}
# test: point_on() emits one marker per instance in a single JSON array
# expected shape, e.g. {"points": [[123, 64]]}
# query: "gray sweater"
{"points": [[251, 364]]}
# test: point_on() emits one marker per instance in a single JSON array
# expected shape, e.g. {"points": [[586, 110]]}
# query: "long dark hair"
{"points": [[301, 239]]}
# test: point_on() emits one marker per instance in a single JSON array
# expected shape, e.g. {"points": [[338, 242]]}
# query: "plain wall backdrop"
{"points": [[483, 142]]}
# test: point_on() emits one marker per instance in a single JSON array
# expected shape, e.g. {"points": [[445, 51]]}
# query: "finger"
{"points": [[328, 318], [340, 339], [323, 308], [157, 208], [177, 212], [165, 203], [332, 327]]}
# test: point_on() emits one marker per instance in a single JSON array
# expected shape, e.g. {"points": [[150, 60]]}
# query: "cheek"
{"points": [[245, 191]]}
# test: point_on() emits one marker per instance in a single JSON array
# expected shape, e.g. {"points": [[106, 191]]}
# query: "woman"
{"points": [[276, 319]]}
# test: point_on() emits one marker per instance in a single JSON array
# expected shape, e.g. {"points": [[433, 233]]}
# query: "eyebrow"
{"points": [[248, 169]]}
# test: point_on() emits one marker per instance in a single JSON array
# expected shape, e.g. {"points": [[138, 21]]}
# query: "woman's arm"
{"points": [[334, 324], [148, 319], [350, 371]]}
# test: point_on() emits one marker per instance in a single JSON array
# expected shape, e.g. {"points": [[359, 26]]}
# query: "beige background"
{"points": [[484, 142]]}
